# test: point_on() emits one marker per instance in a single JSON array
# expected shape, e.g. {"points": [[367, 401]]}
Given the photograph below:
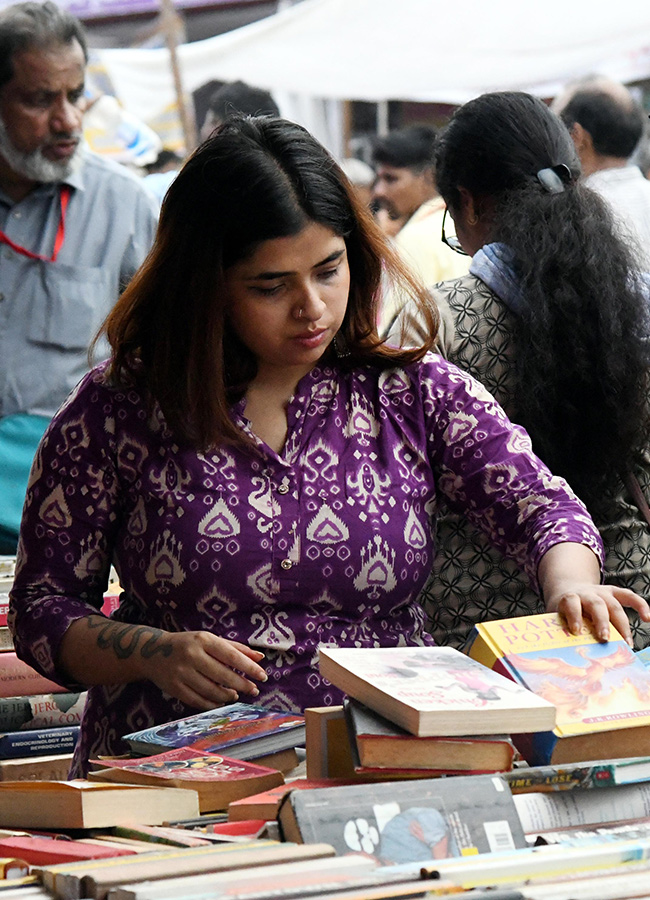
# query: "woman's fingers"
{"points": [[601, 605], [204, 670]]}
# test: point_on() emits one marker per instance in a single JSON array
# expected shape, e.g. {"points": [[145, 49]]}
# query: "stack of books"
{"points": [[428, 711], [224, 754], [39, 719]]}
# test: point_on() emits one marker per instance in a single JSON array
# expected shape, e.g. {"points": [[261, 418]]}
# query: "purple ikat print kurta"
{"points": [[329, 542]]}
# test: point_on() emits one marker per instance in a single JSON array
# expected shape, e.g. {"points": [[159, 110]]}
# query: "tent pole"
{"points": [[171, 27]]}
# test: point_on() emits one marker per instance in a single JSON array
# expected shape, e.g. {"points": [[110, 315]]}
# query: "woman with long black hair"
{"points": [[553, 320]]}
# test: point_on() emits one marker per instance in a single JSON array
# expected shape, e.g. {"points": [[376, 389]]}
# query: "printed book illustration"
{"points": [[234, 725], [435, 690], [408, 821], [596, 687]]}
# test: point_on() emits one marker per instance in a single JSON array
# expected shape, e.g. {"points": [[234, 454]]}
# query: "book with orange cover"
{"points": [[218, 780], [601, 690]]}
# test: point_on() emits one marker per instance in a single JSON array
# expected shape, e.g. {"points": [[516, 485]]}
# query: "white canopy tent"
{"points": [[419, 50]]}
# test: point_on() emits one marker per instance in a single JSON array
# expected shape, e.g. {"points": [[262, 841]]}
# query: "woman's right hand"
{"points": [[196, 667], [203, 670]]}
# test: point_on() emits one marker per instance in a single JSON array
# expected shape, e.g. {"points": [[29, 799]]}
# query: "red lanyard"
{"points": [[64, 197]]}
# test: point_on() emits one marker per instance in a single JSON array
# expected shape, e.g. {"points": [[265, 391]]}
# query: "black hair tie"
{"points": [[554, 178]]}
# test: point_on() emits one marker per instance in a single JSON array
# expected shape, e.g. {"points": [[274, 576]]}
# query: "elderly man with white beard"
{"points": [[74, 227]]}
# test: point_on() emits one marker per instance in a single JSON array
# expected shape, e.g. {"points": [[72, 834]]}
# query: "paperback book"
{"points": [[55, 805], [382, 744], [601, 690], [217, 779], [595, 774], [541, 811], [435, 690], [246, 730], [407, 821]]}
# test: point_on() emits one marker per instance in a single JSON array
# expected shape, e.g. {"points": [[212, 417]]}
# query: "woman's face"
{"points": [[288, 299]]}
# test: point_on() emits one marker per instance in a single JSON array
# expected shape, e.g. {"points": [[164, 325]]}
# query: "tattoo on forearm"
{"points": [[125, 639]]}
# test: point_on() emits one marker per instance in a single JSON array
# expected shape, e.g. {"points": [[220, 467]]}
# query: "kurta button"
{"points": [[286, 563], [283, 489]]}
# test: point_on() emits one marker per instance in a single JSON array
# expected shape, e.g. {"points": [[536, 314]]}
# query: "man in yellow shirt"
{"points": [[405, 189]]}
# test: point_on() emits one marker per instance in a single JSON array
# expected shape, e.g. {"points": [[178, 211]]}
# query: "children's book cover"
{"points": [[217, 728], [185, 764], [594, 686]]}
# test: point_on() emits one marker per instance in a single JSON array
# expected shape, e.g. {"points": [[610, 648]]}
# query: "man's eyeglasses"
{"points": [[451, 240]]}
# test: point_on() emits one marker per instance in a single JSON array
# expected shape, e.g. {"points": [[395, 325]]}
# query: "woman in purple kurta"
{"points": [[261, 471]]}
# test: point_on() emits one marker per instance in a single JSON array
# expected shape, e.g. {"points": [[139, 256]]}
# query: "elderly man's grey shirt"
{"points": [[50, 311]]}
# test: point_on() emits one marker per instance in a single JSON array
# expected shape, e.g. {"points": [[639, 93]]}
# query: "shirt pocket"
{"points": [[69, 305]]}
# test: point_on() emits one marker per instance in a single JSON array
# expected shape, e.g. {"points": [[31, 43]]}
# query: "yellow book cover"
{"points": [[595, 687]]}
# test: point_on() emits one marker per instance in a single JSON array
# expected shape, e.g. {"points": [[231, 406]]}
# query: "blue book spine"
{"points": [[41, 742]]}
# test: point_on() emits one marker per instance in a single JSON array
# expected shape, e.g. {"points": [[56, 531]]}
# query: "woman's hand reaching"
{"points": [[204, 671], [196, 667], [570, 579]]}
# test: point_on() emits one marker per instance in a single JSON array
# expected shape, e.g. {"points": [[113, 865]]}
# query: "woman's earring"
{"points": [[472, 220]]}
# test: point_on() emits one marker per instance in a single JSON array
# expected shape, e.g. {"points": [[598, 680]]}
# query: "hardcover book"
{"points": [[435, 690], [41, 742], [382, 744], [217, 779], [246, 730], [594, 774], [601, 690], [407, 821]]}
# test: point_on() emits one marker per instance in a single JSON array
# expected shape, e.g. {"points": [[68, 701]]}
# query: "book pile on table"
{"points": [[224, 754], [425, 711], [39, 719]]}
